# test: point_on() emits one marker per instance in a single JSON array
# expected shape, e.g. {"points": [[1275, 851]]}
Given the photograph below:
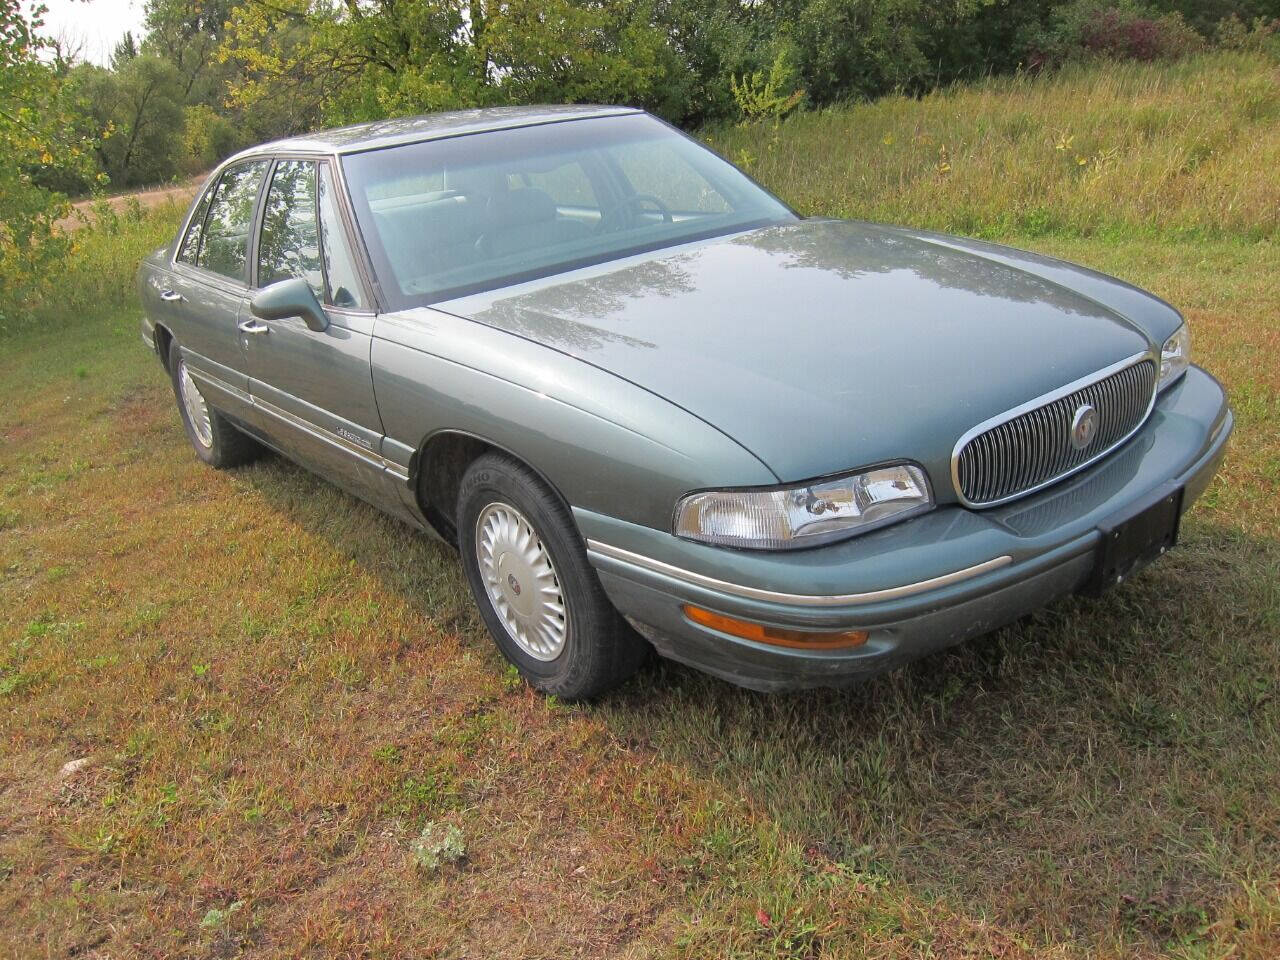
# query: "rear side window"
{"points": [[224, 247]]}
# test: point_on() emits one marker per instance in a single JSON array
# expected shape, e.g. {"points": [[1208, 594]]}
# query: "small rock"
{"points": [[75, 766]]}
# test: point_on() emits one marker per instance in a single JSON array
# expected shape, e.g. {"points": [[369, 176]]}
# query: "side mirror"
{"points": [[290, 298]]}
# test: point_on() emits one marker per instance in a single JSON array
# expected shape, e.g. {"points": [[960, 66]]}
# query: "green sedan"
{"points": [[655, 409]]}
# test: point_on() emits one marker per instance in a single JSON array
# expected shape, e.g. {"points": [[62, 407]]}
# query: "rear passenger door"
{"points": [[316, 385], [207, 286]]}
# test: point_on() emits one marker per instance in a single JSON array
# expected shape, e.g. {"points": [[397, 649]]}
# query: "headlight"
{"points": [[804, 516], [1175, 356]]}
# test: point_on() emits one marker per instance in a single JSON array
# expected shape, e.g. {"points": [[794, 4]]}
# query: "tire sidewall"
{"points": [[208, 454], [494, 483]]}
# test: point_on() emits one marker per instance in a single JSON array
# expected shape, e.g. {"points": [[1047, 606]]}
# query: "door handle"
{"points": [[171, 296], [252, 326]]}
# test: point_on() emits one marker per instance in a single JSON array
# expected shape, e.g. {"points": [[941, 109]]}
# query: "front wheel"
{"points": [[538, 595]]}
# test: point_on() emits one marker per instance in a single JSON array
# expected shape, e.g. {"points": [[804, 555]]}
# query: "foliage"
{"points": [[768, 96], [546, 51], [138, 109], [96, 270], [40, 149], [207, 137], [237, 72], [1118, 29], [1233, 34], [438, 844], [187, 33], [341, 63], [1186, 148]]}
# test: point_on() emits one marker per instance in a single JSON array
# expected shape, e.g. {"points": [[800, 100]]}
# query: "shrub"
{"points": [[95, 273], [207, 137], [767, 96], [1233, 34], [1123, 35], [1114, 29]]}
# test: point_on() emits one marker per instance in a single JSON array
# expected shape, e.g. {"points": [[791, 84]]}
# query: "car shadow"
{"points": [[1102, 768]]}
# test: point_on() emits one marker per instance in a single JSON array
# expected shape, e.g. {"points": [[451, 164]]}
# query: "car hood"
{"points": [[824, 345]]}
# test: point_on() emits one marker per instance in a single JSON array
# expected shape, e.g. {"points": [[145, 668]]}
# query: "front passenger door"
{"points": [[317, 386]]}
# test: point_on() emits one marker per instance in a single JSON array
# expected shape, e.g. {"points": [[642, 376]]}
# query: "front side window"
{"points": [[303, 236], [443, 218], [342, 281], [290, 241], [224, 248]]}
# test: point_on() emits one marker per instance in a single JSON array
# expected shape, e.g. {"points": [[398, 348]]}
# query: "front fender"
{"points": [[607, 445]]}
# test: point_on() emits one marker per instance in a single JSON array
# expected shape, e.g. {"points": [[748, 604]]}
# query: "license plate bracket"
{"points": [[1135, 537]]}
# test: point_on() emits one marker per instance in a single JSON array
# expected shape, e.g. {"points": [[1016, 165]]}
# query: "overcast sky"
{"points": [[98, 24]]}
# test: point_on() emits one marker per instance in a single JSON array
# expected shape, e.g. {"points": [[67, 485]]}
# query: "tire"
{"points": [[527, 569], [214, 439]]}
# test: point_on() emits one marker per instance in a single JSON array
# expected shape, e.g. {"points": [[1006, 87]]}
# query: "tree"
{"points": [[138, 111], [125, 50], [188, 33], [39, 140], [367, 59]]}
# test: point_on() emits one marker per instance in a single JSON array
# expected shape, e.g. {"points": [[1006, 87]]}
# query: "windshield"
{"points": [[443, 218]]}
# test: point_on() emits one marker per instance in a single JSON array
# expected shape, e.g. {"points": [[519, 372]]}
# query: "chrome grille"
{"points": [[1033, 448]]}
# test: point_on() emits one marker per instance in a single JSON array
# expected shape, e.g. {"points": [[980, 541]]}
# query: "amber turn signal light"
{"points": [[760, 633]]}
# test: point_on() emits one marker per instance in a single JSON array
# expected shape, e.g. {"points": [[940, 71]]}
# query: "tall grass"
{"points": [[97, 276], [1191, 148]]}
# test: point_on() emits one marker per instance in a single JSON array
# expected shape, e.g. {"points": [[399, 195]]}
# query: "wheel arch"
{"points": [[437, 468], [161, 337]]}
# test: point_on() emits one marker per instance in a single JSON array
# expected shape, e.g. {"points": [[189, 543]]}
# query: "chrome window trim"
{"points": [[1040, 401], [606, 551]]}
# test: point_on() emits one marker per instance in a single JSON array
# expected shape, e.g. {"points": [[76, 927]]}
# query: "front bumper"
{"points": [[917, 586]]}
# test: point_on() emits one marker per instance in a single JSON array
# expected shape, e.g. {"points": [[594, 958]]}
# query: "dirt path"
{"points": [[151, 197]]}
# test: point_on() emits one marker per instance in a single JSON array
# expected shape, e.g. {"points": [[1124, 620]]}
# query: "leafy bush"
{"points": [[1115, 29], [768, 96], [135, 111], [1233, 34], [207, 137]]}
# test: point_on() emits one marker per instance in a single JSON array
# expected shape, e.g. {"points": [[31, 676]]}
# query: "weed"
{"points": [[218, 917], [438, 844]]}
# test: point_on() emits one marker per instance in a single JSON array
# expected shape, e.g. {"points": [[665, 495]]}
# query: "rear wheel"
{"points": [[212, 435], [538, 595]]}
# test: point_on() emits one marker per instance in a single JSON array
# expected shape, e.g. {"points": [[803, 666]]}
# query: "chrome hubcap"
{"points": [[521, 581], [193, 403]]}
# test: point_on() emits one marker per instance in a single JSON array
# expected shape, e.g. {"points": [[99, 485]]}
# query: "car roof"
{"points": [[431, 126]]}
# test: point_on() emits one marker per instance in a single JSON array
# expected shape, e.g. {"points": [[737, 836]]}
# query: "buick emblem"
{"points": [[513, 583], [1084, 426]]}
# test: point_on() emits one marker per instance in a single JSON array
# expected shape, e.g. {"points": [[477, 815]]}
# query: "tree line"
{"points": [[207, 77]]}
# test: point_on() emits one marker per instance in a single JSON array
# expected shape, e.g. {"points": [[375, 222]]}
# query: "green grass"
{"points": [[278, 688], [1191, 148]]}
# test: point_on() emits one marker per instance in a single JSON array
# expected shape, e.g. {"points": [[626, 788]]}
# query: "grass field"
{"points": [[276, 688]]}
